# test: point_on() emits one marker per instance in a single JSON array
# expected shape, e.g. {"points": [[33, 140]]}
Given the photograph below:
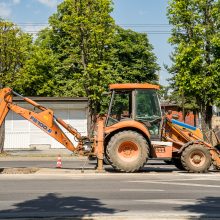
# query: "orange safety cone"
{"points": [[59, 162]]}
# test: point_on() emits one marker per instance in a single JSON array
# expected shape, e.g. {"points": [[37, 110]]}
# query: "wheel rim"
{"points": [[128, 151], [197, 158]]}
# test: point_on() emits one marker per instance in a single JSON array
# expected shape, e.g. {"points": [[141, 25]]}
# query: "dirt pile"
{"points": [[18, 170]]}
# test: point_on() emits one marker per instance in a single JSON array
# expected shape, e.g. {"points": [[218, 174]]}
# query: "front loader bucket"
{"points": [[213, 137], [217, 135], [4, 99]]}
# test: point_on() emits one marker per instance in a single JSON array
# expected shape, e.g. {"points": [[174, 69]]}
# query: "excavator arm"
{"points": [[45, 119]]}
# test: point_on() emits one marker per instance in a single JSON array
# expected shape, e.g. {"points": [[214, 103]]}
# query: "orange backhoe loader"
{"points": [[131, 132]]}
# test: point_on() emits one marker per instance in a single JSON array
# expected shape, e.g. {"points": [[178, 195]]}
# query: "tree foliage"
{"points": [[82, 51], [196, 41], [82, 31], [14, 51], [79, 54], [134, 60], [38, 75], [15, 46]]}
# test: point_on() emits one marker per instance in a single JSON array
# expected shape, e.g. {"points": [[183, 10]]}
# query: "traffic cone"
{"points": [[59, 162]]}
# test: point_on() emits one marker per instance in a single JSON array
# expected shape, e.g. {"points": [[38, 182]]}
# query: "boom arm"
{"points": [[45, 120]]}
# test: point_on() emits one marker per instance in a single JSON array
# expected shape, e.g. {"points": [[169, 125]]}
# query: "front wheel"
{"points": [[196, 158], [127, 151]]}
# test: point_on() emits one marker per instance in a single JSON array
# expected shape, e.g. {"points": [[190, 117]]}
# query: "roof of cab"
{"points": [[133, 86]]}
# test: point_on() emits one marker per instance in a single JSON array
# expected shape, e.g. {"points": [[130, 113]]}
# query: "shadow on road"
{"points": [[146, 169], [207, 208], [53, 205]]}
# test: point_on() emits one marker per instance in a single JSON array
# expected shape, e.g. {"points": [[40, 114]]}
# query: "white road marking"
{"points": [[177, 184], [210, 174], [169, 201], [141, 190], [191, 179]]}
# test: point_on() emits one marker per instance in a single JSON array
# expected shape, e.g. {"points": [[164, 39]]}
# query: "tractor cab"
{"points": [[137, 102]]}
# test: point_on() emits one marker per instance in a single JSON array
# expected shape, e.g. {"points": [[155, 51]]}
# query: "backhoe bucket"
{"points": [[4, 99]]}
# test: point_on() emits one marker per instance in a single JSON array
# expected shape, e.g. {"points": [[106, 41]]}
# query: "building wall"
{"points": [[20, 133], [189, 118]]}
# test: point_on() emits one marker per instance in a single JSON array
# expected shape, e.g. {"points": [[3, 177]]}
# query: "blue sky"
{"points": [[140, 15]]}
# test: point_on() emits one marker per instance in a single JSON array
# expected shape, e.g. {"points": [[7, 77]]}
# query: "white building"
{"points": [[22, 134]]}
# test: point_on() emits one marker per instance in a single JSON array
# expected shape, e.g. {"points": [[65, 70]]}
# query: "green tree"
{"points": [[90, 52], [14, 51], [133, 59], [79, 34], [196, 40], [39, 73], [2, 133]]}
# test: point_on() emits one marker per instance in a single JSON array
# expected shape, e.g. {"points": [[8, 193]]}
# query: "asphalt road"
{"points": [[158, 192]]}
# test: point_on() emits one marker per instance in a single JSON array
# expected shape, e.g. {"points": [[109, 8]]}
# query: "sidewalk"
{"points": [[29, 161], [39, 154]]}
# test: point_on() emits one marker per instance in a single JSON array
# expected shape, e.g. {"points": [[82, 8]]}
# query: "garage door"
{"points": [[22, 134]]}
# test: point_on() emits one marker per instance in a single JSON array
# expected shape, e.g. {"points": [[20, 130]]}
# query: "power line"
{"points": [[147, 32], [145, 25], [125, 25], [118, 24]]}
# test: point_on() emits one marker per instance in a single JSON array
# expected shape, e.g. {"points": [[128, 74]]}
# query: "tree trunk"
{"points": [[183, 109], [206, 113], [92, 118], [194, 118], [2, 137]]}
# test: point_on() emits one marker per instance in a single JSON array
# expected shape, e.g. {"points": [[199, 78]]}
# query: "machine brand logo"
{"points": [[40, 124]]}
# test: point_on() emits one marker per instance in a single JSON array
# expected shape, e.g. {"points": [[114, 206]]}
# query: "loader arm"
{"points": [[181, 135], [45, 119]]}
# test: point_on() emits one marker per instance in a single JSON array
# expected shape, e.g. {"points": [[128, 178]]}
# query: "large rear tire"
{"points": [[196, 159], [2, 137], [127, 151]]}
